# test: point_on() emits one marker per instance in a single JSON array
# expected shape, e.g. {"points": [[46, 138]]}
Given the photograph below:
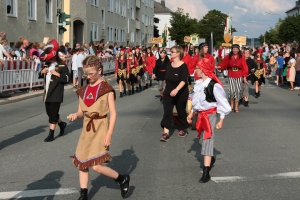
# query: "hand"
{"points": [[44, 71], [218, 67], [115, 75], [189, 118], [245, 80], [128, 76], [153, 76], [72, 117], [219, 125], [264, 75], [107, 140], [1, 62], [173, 93]]}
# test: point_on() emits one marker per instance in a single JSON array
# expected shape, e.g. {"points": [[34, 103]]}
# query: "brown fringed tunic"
{"points": [[90, 150]]}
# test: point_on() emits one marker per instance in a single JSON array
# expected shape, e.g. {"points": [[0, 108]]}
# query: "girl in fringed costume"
{"points": [[208, 100], [121, 72], [96, 100], [260, 72], [139, 68], [132, 72]]}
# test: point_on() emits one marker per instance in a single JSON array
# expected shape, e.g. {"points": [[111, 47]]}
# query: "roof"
{"points": [[158, 8], [295, 8]]}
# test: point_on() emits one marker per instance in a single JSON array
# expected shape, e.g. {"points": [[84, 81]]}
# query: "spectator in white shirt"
{"points": [[80, 58], [75, 67]]}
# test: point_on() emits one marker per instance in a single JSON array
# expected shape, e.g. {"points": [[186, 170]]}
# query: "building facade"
{"points": [[32, 19], [127, 22], [294, 11], [163, 13]]}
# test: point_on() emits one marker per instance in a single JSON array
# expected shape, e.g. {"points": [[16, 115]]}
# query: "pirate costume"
{"points": [[132, 73], [140, 71], [259, 72], [121, 70], [209, 99]]}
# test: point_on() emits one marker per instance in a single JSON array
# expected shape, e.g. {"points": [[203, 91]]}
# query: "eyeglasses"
{"points": [[174, 52]]}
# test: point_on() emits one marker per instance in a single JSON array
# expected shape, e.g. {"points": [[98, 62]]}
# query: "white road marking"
{"points": [[37, 193], [287, 175], [227, 179]]}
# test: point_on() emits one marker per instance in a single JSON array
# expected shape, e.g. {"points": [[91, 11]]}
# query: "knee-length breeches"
{"points": [[208, 144], [235, 88]]}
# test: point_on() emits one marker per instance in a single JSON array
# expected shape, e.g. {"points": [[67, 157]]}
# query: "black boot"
{"points": [[62, 125], [121, 95], [256, 95], [140, 87], [123, 181], [136, 89], [83, 194], [50, 137], [213, 160], [146, 85], [205, 176], [150, 83], [129, 92], [240, 101], [132, 91], [124, 93], [246, 103]]}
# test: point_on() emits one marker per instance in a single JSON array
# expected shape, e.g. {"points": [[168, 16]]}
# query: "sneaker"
{"points": [[124, 186], [165, 137], [297, 88], [182, 133]]}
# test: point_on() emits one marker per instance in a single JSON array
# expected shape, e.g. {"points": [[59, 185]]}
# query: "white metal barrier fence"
{"points": [[21, 74]]}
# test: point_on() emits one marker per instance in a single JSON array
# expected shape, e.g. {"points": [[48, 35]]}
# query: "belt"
{"points": [[234, 69], [203, 123], [162, 70], [91, 122]]}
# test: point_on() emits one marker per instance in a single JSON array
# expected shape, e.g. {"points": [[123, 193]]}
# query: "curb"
{"points": [[25, 96]]}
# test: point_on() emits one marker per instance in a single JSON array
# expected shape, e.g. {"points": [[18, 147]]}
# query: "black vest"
{"points": [[209, 92]]}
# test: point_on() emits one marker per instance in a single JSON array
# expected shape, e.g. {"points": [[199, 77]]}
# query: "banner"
{"points": [[241, 40]]}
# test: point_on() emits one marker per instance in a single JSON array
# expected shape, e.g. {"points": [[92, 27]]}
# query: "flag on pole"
{"points": [[211, 44], [92, 46], [164, 36]]}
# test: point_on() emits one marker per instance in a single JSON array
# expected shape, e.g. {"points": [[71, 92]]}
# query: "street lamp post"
{"points": [[255, 22]]}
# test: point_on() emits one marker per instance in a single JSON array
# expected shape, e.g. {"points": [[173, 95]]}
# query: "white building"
{"points": [[164, 15], [294, 11]]}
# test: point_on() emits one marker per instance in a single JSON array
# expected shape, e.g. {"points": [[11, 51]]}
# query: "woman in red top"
{"points": [[260, 72], [237, 67], [150, 64]]}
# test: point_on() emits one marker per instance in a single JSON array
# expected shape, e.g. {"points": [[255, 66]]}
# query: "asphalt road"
{"points": [[257, 152]]}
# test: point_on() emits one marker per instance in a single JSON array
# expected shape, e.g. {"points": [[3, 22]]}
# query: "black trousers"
{"points": [[180, 103], [52, 110]]}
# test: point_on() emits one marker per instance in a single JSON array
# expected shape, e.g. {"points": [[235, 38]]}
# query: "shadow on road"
{"points": [[51, 180], [23, 136], [123, 164], [196, 146]]}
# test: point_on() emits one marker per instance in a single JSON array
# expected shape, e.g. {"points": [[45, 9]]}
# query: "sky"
{"points": [[243, 12]]}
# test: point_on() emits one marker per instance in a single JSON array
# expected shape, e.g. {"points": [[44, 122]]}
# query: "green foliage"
{"points": [[213, 21], [182, 25], [289, 29]]}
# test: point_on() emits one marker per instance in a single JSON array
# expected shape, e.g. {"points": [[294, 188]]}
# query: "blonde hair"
{"points": [[4, 42], [179, 49], [93, 61]]}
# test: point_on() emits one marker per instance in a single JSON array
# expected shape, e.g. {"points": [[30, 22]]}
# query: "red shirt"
{"points": [[150, 64], [237, 62], [90, 94], [187, 59], [208, 56]]}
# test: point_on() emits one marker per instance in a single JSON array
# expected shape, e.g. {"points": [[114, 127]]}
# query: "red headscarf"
{"points": [[260, 51], [129, 51], [50, 50], [205, 65]]}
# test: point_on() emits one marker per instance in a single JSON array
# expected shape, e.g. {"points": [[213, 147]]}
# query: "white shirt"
{"points": [[49, 74], [74, 62], [2, 50], [80, 58], [225, 52], [200, 104]]}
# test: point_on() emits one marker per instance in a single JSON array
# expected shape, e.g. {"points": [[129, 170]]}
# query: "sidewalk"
{"points": [[26, 95]]}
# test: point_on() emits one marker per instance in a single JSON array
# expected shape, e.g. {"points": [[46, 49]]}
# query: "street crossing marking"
{"points": [[37, 193], [226, 179]]}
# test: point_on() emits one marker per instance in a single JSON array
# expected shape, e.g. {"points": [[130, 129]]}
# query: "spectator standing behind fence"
{"points": [[80, 58], [75, 67], [55, 76], [297, 68]]}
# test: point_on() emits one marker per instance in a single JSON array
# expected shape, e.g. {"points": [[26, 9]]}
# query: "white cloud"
{"points": [[262, 6], [242, 9]]}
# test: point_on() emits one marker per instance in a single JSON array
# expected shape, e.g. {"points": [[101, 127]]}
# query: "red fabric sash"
{"points": [[203, 123]]}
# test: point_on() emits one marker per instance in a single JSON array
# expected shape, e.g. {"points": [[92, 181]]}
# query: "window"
{"points": [[128, 6], [95, 3], [132, 37], [146, 20], [102, 18], [132, 13], [110, 33], [123, 35], [143, 38], [117, 7], [123, 9], [31, 9], [136, 36], [110, 5], [146, 3], [143, 1], [49, 11], [11, 8], [143, 18], [152, 4], [94, 31]]}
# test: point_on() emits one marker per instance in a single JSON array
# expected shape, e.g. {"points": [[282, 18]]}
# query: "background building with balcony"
{"points": [[163, 13], [294, 11]]}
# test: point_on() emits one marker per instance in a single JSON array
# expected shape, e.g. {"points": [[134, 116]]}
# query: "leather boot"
{"points": [[50, 137], [121, 95], [136, 89], [62, 125], [150, 83], [132, 91], [256, 95], [240, 101], [129, 92], [205, 176], [140, 88], [124, 93], [246, 103], [83, 194]]}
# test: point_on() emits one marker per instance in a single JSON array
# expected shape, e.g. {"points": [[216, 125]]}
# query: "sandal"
{"points": [[291, 89], [236, 111]]}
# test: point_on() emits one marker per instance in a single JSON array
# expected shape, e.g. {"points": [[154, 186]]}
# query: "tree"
{"points": [[155, 31], [289, 29], [181, 25], [213, 21]]}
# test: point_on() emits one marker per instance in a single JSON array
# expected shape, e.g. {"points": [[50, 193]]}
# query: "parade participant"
{"points": [[121, 72], [131, 72], [208, 100], [150, 64], [159, 72], [175, 94], [291, 73], [187, 59], [237, 72], [220, 50], [96, 100], [260, 72], [251, 69], [145, 77], [139, 68], [56, 75]]}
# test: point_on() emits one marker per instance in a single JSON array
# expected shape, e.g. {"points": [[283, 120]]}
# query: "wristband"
{"points": [[176, 89]]}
